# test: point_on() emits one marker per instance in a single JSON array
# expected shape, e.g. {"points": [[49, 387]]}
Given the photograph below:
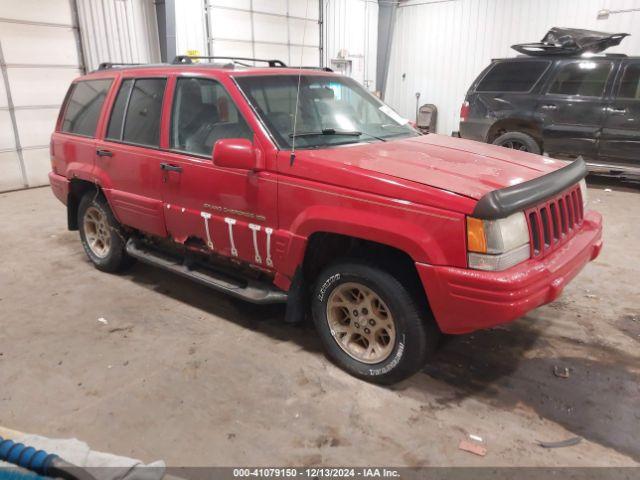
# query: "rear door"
{"points": [[128, 161], [74, 142], [620, 141], [573, 109]]}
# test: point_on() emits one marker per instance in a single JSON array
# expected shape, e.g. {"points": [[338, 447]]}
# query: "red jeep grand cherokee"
{"points": [[287, 185]]}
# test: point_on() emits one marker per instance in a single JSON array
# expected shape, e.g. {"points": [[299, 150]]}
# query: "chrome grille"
{"points": [[555, 221]]}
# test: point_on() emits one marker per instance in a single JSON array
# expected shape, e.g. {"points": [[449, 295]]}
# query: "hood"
{"points": [[461, 166]]}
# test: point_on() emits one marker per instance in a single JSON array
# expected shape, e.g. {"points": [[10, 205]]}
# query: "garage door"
{"points": [[287, 30], [38, 58]]}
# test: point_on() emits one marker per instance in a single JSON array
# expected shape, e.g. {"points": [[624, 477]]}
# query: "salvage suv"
{"points": [[283, 185], [566, 106]]}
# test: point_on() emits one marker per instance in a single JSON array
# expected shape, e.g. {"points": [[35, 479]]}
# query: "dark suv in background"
{"points": [[564, 106]]}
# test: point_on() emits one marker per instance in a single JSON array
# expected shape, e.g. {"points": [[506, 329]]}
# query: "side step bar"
{"points": [[614, 170], [250, 290]]}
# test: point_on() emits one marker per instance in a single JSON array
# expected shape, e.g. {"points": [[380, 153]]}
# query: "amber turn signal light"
{"points": [[476, 239]]}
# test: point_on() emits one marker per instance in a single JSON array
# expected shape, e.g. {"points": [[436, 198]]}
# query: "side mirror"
{"points": [[235, 153]]}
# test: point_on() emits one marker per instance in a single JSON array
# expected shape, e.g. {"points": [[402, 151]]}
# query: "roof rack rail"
{"points": [[323, 69], [108, 65], [181, 59]]}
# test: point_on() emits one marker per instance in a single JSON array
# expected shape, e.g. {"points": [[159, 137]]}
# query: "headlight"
{"points": [[583, 193], [497, 244]]}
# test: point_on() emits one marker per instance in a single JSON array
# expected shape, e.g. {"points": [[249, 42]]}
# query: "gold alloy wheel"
{"points": [[97, 232], [361, 323]]}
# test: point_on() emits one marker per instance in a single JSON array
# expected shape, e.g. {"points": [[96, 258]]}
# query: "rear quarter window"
{"points": [[84, 105], [512, 76]]}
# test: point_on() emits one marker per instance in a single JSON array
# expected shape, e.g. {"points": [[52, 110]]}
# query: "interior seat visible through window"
{"points": [[203, 113]]}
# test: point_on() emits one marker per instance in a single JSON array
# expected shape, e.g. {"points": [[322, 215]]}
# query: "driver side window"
{"points": [[203, 113]]}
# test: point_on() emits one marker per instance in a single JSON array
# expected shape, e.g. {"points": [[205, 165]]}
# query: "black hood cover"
{"points": [[570, 41]]}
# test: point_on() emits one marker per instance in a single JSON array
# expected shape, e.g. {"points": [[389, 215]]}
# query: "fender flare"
{"points": [[393, 232]]}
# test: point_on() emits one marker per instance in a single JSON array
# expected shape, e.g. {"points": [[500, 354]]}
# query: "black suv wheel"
{"points": [[518, 141], [369, 323]]}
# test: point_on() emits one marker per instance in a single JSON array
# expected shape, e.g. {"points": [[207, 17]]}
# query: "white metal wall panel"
{"points": [[439, 47], [40, 54], [3, 96], [50, 11], [119, 31], [10, 173], [190, 27], [38, 44], [351, 26], [287, 30], [35, 126], [258, 28], [28, 87], [284, 29], [37, 165], [7, 138]]}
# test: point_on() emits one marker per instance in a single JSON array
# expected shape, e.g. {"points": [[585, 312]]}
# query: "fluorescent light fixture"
{"points": [[605, 12]]}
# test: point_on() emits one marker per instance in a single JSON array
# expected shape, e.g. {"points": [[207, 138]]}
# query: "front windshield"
{"points": [[332, 111]]}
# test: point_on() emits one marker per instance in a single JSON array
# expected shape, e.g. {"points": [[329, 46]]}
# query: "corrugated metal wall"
{"points": [[40, 56], [38, 60], [191, 30], [286, 30], [440, 46], [118, 31], [351, 27]]}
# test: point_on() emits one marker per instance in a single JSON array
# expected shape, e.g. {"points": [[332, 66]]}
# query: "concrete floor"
{"points": [[184, 374]]}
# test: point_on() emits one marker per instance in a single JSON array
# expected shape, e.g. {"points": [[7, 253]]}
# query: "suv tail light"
{"points": [[51, 157], [464, 111]]}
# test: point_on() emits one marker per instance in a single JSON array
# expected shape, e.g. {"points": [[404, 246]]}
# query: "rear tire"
{"points": [[369, 323], [102, 237], [518, 141]]}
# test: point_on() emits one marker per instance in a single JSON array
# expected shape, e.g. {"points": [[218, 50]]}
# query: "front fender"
{"points": [[422, 237]]}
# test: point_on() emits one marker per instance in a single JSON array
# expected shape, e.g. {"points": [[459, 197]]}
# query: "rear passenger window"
{"points": [[630, 83], [512, 76], [83, 107], [136, 112], [203, 113], [114, 132], [584, 78]]}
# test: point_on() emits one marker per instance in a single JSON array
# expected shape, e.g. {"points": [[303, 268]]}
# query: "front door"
{"points": [[229, 211], [573, 108], [620, 141], [128, 158]]}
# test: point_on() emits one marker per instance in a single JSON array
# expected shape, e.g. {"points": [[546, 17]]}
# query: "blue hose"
{"points": [[19, 454]]}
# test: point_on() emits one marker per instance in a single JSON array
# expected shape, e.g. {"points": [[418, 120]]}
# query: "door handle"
{"points": [[549, 106], [617, 110], [170, 168], [104, 153]]}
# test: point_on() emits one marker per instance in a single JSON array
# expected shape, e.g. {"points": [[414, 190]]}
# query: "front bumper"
{"points": [[463, 300]]}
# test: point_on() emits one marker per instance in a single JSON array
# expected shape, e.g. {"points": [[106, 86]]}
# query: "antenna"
{"points": [[295, 113]]}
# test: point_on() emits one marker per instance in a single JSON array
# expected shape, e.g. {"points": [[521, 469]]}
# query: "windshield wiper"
{"points": [[374, 136], [333, 131], [326, 131]]}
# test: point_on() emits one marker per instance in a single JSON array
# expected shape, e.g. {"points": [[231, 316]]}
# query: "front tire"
{"points": [[518, 141], [369, 323], [102, 237]]}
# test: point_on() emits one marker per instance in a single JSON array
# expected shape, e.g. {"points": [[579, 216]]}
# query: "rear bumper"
{"points": [[473, 129], [59, 186], [464, 300]]}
